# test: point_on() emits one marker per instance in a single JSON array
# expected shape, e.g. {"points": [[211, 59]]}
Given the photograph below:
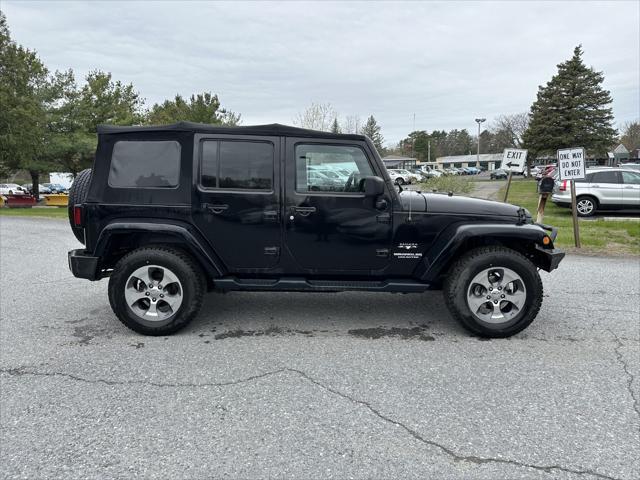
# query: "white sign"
{"points": [[514, 160], [571, 164]]}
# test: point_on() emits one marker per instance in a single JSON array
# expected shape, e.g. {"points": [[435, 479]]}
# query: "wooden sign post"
{"points": [[571, 165]]}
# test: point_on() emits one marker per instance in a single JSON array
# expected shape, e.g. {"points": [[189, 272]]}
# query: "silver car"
{"points": [[603, 188]]}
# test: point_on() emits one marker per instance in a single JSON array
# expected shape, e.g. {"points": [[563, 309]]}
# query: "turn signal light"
{"points": [[77, 215], [546, 240]]}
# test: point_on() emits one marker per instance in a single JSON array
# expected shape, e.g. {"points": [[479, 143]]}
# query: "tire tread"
{"points": [[450, 289], [183, 319]]}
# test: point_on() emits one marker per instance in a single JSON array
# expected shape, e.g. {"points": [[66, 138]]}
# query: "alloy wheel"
{"points": [[496, 295], [153, 293]]}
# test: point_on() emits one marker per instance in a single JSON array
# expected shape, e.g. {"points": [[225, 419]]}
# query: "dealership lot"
{"points": [[312, 385]]}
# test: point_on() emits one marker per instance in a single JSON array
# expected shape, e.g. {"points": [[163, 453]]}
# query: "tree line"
{"points": [[48, 121]]}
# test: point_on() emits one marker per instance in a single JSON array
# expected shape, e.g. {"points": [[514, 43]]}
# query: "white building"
{"points": [[488, 161]]}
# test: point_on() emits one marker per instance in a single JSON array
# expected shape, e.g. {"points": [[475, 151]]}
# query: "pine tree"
{"points": [[335, 126], [372, 130], [572, 110]]}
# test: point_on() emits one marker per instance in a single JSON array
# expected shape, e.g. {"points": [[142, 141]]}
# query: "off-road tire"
{"points": [[181, 264], [77, 195], [591, 199], [468, 266]]}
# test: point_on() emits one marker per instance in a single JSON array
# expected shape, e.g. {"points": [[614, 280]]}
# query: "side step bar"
{"points": [[298, 284]]}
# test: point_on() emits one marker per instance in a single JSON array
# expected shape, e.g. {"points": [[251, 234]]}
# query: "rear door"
{"points": [[607, 187], [238, 199], [330, 226], [631, 190]]}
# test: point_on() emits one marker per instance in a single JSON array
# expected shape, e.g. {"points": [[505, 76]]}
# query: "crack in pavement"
{"points": [[20, 371], [630, 377]]}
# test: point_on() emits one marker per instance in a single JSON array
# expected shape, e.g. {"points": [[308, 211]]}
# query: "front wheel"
{"points": [[493, 292], [399, 181], [156, 290]]}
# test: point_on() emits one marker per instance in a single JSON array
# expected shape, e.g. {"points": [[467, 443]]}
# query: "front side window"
{"points": [[330, 168], [237, 165], [630, 178], [152, 164], [605, 177]]}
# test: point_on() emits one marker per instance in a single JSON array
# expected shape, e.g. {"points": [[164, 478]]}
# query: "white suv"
{"points": [[401, 176], [11, 188], [603, 188]]}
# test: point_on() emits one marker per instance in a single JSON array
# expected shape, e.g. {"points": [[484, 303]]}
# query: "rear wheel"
{"points": [[494, 292], [77, 196], [399, 181], [156, 290], [586, 206]]}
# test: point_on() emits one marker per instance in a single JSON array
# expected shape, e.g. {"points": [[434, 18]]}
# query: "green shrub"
{"points": [[450, 183]]}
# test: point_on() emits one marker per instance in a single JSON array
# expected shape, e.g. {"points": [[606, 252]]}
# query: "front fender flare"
{"points": [[452, 241]]}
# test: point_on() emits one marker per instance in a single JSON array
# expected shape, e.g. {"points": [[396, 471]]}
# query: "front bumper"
{"points": [[83, 265], [548, 259]]}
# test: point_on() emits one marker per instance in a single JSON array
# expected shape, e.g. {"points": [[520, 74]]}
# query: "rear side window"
{"points": [[136, 164], [237, 165], [605, 177]]}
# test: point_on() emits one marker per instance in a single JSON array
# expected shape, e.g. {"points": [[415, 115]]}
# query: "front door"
{"points": [[631, 192], [238, 199], [609, 187], [330, 226]]}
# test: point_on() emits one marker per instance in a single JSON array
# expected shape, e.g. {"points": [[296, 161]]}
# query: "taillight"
{"points": [[563, 186], [77, 215]]}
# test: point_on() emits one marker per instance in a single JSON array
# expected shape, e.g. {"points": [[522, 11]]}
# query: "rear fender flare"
{"points": [[181, 235]]}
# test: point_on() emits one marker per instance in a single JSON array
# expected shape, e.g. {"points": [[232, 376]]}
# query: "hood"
{"points": [[456, 205]]}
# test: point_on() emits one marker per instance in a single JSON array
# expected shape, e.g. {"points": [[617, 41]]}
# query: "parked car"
{"points": [[498, 174], [11, 189], [55, 188], [546, 171], [419, 174], [633, 166], [222, 209], [452, 171], [433, 173], [401, 176], [43, 189], [603, 188]]}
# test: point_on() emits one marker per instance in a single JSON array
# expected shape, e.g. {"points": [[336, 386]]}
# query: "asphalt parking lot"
{"points": [[349, 385]]}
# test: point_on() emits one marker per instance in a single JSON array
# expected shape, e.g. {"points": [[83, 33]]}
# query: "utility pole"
{"points": [[479, 120], [429, 151]]}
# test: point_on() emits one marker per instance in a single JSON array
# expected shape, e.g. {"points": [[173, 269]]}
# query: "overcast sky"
{"points": [[447, 63]]}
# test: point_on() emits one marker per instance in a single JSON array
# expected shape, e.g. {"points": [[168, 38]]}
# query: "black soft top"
{"points": [[274, 129]]}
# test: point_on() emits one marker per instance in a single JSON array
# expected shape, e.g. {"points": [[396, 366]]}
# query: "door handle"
{"points": [[595, 186], [629, 186], [215, 208], [304, 211]]}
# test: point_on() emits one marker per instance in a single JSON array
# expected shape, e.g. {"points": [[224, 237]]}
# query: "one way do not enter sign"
{"points": [[571, 164], [513, 160]]}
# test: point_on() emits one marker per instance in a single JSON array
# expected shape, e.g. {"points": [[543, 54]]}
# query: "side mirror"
{"points": [[373, 186]]}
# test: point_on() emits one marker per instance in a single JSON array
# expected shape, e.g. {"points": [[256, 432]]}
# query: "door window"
{"points": [[630, 178], [605, 177], [237, 165], [330, 168]]}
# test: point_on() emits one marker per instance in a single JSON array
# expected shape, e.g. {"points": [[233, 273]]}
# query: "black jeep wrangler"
{"points": [[169, 213]]}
